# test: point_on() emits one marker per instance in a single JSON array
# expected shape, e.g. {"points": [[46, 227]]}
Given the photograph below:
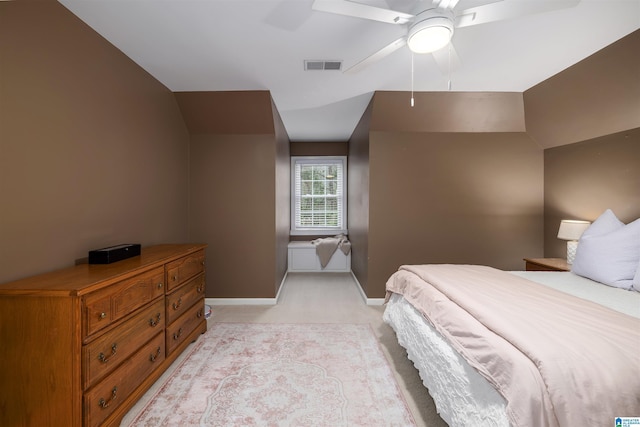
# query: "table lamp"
{"points": [[571, 230]]}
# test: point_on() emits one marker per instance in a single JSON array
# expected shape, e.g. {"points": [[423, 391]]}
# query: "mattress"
{"points": [[462, 396]]}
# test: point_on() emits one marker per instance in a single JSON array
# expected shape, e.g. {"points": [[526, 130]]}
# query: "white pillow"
{"points": [[636, 280], [610, 253], [605, 223]]}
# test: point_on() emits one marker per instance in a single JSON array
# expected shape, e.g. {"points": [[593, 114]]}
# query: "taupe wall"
{"points": [[358, 198], [582, 180], [93, 150], [448, 112], [456, 167], [329, 148], [454, 179], [598, 96], [239, 190], [232, 209], [459, 198], [282, 197], [228, 112], [592, 110]]}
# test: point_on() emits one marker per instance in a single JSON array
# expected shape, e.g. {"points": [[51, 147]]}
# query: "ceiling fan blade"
{"points": [[359, 10], [387, 50], [509, 9], [445, 4], [447, 59]]}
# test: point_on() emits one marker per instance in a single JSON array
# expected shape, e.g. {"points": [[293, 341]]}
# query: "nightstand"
{"points": [[546, 264]]}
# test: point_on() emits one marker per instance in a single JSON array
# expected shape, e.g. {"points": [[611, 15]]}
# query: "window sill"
{"points": [[318, 232]]}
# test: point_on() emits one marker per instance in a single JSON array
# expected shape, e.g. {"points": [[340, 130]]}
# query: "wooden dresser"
{"points": [[79, 346]]}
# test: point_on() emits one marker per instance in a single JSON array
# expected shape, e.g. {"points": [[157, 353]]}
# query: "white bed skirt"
{"points": [[462, 396]]}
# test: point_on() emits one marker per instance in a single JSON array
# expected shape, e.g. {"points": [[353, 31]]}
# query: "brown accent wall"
{"points": [[465, 194], [590, 112], [453, 198], [582, 180], [589, 117], [329, 148], [358, 198], [282, 197], [93, 150], [448, 112], [598, 96], [239, 192], [227, 112]]}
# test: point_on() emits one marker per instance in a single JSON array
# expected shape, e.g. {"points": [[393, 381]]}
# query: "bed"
{"points": [[528, 349], [539, 349]]}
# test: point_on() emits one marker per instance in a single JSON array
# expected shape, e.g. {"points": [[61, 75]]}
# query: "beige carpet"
{"points": [[328, 298]]}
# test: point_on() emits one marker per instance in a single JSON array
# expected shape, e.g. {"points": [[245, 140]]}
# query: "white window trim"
{"points": [[318, 231]]}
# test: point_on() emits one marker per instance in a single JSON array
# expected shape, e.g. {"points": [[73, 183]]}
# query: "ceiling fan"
{"points": [[431, 25]]}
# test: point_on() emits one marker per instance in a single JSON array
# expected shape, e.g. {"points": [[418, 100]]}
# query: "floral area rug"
{"points": [[280, 375]]}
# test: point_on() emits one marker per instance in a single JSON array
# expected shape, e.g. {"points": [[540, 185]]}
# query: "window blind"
{"points": [[319, 194]]}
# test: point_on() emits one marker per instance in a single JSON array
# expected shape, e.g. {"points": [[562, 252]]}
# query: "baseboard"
{"points": [[247, 301], [368, 301], [274, 301], [286, 273]]}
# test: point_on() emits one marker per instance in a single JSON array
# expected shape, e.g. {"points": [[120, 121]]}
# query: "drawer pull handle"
{"points": [[105, 403], [160, 285], [199, 315], [175, 277], [176, 305], [153, 357], [105, 359], [153, 322], [102, 315], [202, 262], [176, 336], [200, 289]]}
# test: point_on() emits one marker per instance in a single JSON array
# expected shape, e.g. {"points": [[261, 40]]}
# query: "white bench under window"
{"points": [[302, 257]]}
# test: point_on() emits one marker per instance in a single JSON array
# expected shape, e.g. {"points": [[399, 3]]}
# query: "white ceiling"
{"points": [[220, 45]]}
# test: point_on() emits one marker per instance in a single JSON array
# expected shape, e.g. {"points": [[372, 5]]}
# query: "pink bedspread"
{"points": [[558, 360]]}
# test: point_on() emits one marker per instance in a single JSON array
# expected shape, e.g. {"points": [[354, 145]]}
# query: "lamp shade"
{"points": [[572, 229]]}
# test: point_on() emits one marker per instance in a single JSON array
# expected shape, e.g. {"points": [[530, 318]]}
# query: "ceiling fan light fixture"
{"points": [[430, 34]]}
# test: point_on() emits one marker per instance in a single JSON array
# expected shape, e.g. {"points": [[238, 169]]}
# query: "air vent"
{"points": [[322, 65]]}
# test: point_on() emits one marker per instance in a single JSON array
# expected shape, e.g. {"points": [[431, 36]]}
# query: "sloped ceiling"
{"points": [[220, 45]]}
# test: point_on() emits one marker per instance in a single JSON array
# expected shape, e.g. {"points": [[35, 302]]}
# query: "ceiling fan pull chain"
{"points": [[412, 102], [449, 82]]}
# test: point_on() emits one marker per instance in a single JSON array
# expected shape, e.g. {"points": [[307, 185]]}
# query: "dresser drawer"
{"points": [[184, 297], [101, 308], [183, 269], [179, 330], [104, 354], [104, 398]]}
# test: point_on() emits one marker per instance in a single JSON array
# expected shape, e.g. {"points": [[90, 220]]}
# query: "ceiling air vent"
{"points": [[322, 65]]}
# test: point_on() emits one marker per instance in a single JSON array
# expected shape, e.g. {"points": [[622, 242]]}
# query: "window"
{"points": [[318, 195]]}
